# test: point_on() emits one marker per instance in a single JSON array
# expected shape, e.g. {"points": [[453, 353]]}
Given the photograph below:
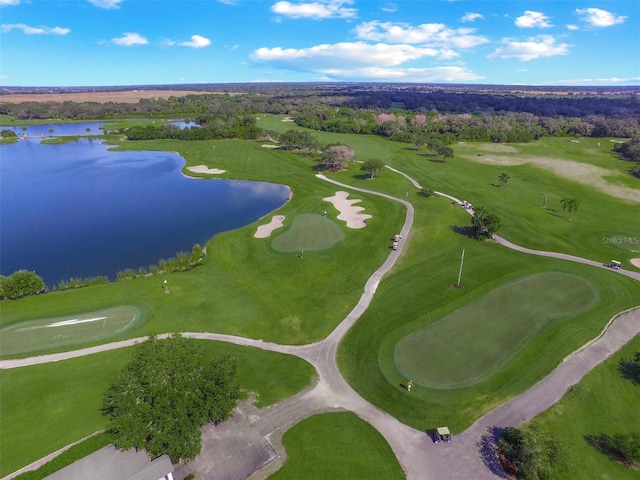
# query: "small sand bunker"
{"points": [[348, 212], [636, 262], [265, 231], [288, 119], [270, 146], [205, 169]]}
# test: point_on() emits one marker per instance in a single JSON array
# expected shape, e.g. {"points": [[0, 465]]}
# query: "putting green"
{"points": [[309, 232], [47, 333], [473, 342]]}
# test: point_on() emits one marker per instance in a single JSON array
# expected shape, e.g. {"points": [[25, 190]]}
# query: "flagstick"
{"points": [[460, 272]]}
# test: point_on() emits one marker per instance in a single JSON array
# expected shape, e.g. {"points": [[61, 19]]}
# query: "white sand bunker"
{"points": [[205, 169], [265, 231], [636, 262], [348, 212]]}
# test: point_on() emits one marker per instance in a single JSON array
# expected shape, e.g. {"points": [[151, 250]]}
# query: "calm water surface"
{"points": [[79, 210]]}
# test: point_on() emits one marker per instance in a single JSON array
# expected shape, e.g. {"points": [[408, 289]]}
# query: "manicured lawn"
{"points": [[308, 232], [602, 403], [419, 293], [337, 445], [61, 332], [490, 330], [48, 406]]}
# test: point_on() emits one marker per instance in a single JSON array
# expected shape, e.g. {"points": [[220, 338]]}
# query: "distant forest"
{"points": [[419, 114]]}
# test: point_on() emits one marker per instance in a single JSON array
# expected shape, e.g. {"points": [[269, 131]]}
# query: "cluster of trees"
{"points": [[20, 284], [208, 128], [530, 455], [630, 150], [182, 262], [165, 394]]}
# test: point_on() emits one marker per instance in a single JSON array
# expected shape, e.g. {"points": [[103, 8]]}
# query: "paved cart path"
{"points": [[249, 444]]}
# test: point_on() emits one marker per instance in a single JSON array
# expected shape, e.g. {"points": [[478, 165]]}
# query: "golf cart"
{"points": [[442, 434], [615, 264]]}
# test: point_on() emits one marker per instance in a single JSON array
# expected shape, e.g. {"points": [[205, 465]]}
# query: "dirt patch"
{"points": [[578, 172], [636, 262], [129, 96], [288, 119], [205, 169], [348, 212], [497, 147], [265, 231]]}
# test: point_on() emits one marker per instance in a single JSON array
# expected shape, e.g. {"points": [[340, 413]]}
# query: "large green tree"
{"points": [[166, 393], [485, 224], [372, 167]]}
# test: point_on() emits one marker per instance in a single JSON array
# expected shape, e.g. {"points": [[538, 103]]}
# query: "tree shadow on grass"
{"points": [[490, 452], [466, 230], [630, 369], [611, 447]]}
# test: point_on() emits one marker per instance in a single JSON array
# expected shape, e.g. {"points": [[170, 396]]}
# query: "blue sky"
{"points": [[137, 42]]}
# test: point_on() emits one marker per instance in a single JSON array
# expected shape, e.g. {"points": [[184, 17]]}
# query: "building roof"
{"points": [[109, 463]]}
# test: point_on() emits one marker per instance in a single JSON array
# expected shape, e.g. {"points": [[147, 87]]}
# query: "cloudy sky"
{"points": [[140, 42]]}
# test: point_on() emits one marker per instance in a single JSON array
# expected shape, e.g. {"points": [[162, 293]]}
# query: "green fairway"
{"points": [[489, 330], [47, 333], [309, 232], [46, 407], [337, 445]]}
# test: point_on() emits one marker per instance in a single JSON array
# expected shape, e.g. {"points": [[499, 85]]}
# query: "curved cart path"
{"points": [[249, 444]]}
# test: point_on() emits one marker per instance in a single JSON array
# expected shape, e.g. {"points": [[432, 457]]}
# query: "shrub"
{"points": [[20, 283]]}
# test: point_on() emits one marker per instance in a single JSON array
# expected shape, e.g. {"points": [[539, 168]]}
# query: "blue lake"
{"points": [[79, 210]]}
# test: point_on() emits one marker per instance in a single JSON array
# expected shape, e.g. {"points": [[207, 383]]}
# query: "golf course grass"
{"points": [[309, 232], [59, 332], [337, 445], [489, 330], [534, 310], [47, 407]]}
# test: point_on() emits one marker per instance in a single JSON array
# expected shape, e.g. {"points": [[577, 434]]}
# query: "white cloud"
{"points": [[532, 19], [197, 41], [572, 27], [4, 3], [432, 34], [389, 7], [472, 17], [423, 75], [318, 10], [540, 46], [27, 30], [340, 56], [130, 39], [599, 18], [108, 4], [229, 2]]}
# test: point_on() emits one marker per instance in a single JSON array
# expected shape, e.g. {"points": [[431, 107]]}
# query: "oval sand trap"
{"points": [[48, 333], [205, 169], [265, 231]]}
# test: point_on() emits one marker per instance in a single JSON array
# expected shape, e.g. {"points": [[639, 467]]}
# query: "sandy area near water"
{"points": [[265, 231], [349, 213], [205, 169]]}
